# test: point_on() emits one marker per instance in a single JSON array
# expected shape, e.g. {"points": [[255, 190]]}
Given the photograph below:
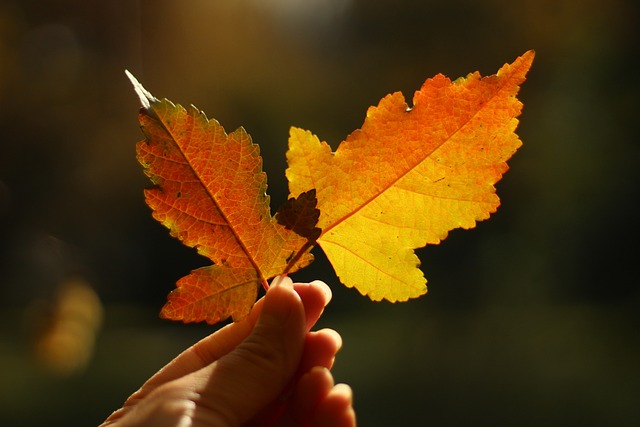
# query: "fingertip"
{"points": [[284, 281], [333, 336], [318, 379], [342, 392], [281, 303], [314, 300], [336, 410], [310, 391], [326, 290], [320, 349]]}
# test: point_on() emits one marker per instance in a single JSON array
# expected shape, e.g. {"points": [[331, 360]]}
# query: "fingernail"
{"points": [[284, 281]]}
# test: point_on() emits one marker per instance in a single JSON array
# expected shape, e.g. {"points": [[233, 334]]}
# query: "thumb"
{"points": [[243, 382]]}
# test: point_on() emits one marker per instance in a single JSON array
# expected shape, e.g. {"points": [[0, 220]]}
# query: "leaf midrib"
{"points": [[409, 170], [236, 236]]}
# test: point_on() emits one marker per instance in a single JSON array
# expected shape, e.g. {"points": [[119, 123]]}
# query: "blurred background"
{"points": [[531, 318]]}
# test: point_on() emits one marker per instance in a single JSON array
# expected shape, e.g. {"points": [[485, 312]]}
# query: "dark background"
{"points": [[531, 318]]}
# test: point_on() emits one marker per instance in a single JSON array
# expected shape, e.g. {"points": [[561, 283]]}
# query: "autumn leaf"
{"points": [[402, 181], [210, 192], [409, 176]]}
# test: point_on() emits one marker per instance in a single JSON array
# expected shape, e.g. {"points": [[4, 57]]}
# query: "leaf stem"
{"points": [[309, 244]]}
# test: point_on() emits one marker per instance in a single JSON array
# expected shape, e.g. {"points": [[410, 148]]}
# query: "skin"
{"points": [[267, 370]]}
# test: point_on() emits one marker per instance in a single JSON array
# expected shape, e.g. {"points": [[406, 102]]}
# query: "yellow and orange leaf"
{"points": [[409, 176], [210, 192]]}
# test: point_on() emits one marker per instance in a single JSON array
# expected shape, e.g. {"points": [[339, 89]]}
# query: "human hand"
{"points": [[267, 370]]}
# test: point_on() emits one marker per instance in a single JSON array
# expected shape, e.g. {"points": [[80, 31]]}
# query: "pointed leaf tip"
{"points": [[145, 96]]}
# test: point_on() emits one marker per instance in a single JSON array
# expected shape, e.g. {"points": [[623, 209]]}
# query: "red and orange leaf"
{"points": [[211, 294], [409, 176], [210, 192]]}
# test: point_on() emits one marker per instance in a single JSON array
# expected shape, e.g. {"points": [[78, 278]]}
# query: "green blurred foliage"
{"points": [[531, 318]]}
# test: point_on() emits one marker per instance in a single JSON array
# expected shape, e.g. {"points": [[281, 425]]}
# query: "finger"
{"points": [[315, 296], [336, 410], [237, 386], [323, 286], [318, 355], [313, 388], [320, 349]]}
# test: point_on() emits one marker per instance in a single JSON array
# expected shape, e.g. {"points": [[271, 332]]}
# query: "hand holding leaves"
{"points": [[402, 181]]}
